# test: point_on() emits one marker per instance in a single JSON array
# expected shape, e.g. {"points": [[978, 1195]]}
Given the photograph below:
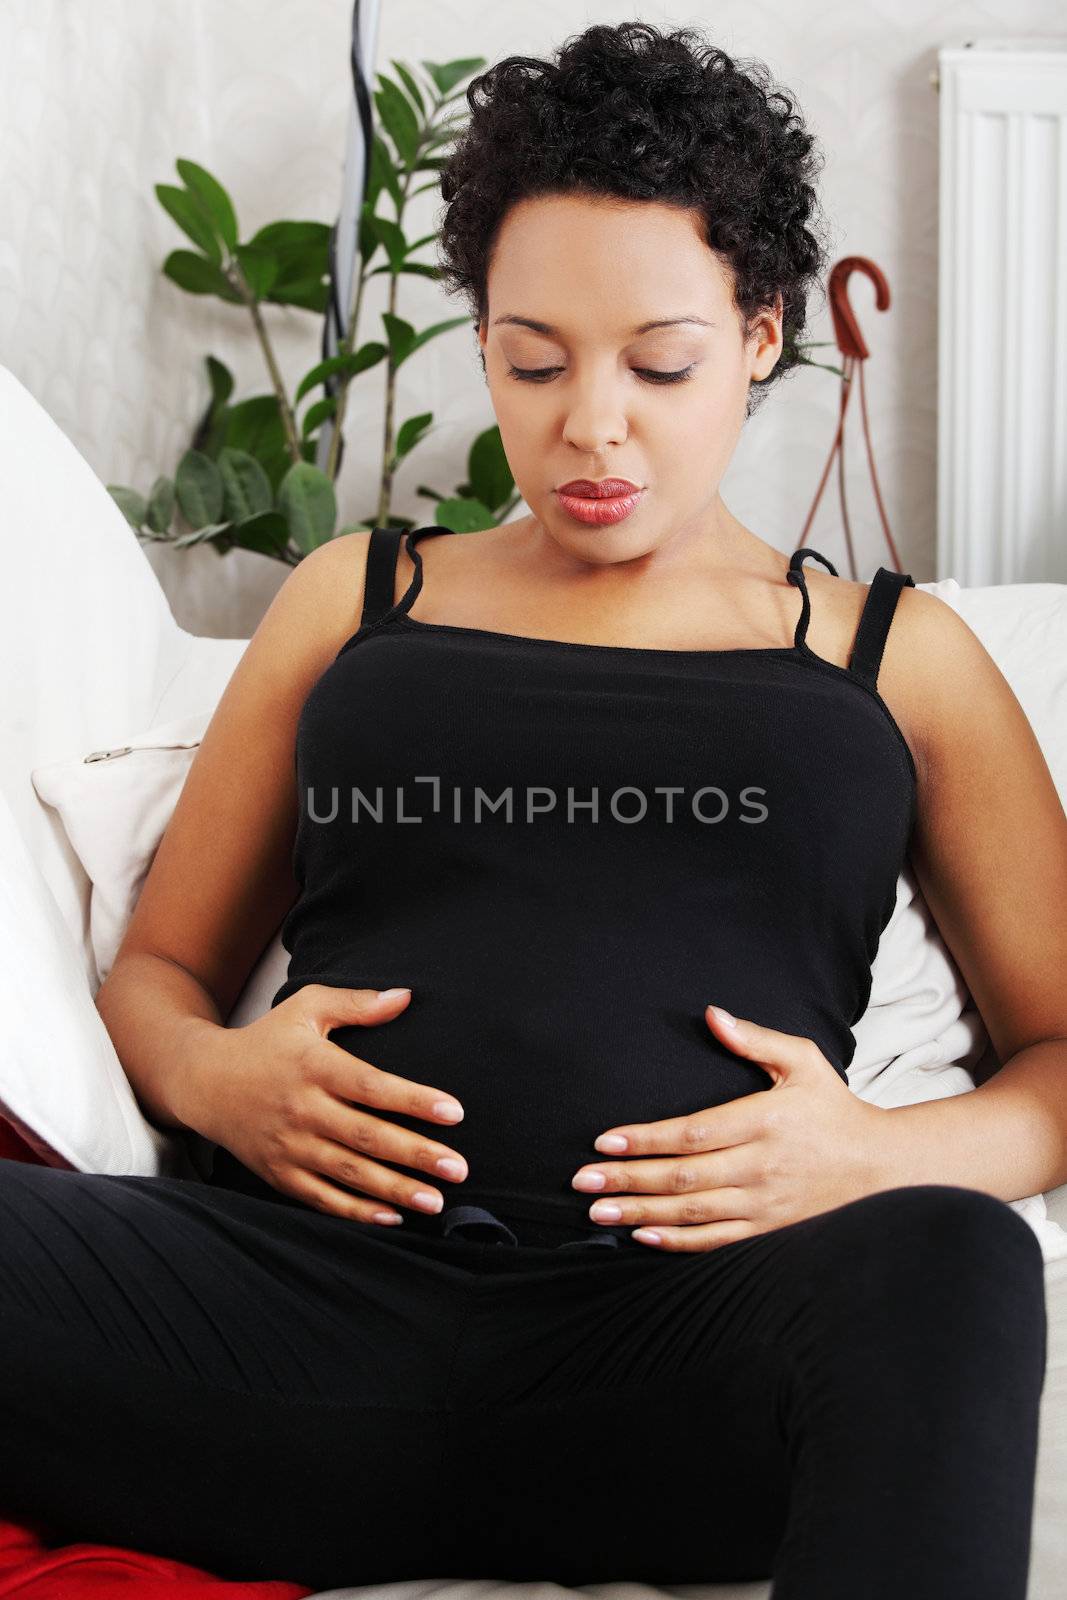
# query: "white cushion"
{"points": [[114, 805], [88, 640], [62, 1086]]}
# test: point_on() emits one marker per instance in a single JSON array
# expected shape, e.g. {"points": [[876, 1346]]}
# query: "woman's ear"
{"points": [[767, 337]]}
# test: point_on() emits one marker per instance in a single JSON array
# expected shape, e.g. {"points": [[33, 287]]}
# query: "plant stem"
{"points": [[386, 493], [347, 346], [292, 438]]}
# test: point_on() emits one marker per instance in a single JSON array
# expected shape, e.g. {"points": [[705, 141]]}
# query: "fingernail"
{"points": [[588, 1180], [609, 1144], [427, 1202], [647, 1236], [451, 1168], [725, 1017], [451, 1110], [386, 1216], [392, 994], [605, 1211]]}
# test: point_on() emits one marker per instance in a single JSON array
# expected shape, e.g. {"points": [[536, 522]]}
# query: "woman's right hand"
{"points": [[281, 1096]]}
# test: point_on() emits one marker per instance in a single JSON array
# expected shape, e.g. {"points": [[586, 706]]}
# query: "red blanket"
{"points": [[31, 1570]]}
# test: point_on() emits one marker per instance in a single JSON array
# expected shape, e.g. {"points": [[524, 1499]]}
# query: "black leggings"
{"points": [[849, 1402]]}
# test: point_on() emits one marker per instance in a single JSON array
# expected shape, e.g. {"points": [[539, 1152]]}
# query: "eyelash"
{"points": [[542, 374]]}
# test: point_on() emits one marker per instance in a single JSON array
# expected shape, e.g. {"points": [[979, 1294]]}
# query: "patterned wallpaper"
{"points": [[98, 101]]}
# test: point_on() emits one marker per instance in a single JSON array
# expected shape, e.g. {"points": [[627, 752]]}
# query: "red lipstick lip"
{"points": [[605, 489]]}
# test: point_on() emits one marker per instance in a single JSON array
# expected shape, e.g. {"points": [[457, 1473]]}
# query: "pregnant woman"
{"points": [[545, 1238]]}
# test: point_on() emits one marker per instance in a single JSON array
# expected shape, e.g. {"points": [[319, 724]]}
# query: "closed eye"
{"points": [[543, 374]]}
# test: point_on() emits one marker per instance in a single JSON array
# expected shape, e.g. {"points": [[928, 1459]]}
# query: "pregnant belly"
{"points": [[541, 1076]]}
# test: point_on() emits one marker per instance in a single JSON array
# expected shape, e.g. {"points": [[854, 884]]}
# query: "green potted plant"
{"points": [[249, 477]]}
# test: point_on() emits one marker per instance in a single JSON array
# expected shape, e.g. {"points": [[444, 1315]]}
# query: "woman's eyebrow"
{"points": [[645, 327]]}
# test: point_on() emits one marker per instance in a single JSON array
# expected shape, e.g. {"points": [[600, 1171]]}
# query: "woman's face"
{"points": [[591, 272]]}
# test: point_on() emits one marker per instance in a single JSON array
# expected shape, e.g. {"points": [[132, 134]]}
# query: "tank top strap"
{"points": [[878, 608], [380, 581], [795, 575], [382, 550]]}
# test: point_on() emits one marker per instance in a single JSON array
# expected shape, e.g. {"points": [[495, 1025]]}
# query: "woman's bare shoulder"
{"points": [[320, 603]]}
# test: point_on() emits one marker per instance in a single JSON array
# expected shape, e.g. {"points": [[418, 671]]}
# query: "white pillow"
{"points": [[114, 806], [62, 1086], [87, 640]]}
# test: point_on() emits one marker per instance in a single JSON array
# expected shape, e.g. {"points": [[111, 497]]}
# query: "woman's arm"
{"points": [[990, 856], [222, 879]]}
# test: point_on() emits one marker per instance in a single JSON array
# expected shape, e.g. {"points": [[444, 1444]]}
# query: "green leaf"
{"points": [[400, 335], [369, 237], [255, 425], [398, 119], [427, 238], [368, 355], [318, 413], [409, 434], [410, 85], [464, 516], [132, 505], [309, 505], [221, 380], [488, 470], [212, 197], [443, 133], [383, 175], [191, 217], [447, 76], [310, 294], [161, 505], [276, 464], [198, 482], [267, 533], [422, 268], [391, 236], [201, 535], [260, 268], [431, 333], [210, 433], [290, 237], [197, 276], [246, 487], [302, 252]]}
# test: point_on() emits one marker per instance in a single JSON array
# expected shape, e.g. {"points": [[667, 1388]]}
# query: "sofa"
{"points": [[94, 665]]}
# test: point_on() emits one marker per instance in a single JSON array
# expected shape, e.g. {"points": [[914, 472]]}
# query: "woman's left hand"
{"points": [[748, 1166]]}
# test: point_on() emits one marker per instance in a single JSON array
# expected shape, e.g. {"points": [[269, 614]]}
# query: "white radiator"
{"points": [[1002, 312]]}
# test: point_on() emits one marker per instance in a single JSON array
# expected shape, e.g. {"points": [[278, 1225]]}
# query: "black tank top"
{"points": [[567, 850]]}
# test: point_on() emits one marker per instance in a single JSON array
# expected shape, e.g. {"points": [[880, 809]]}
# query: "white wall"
{"points": [[97, 101]]}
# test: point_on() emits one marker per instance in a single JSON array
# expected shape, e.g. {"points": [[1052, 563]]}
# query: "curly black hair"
{"points": [[628, 111]]}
